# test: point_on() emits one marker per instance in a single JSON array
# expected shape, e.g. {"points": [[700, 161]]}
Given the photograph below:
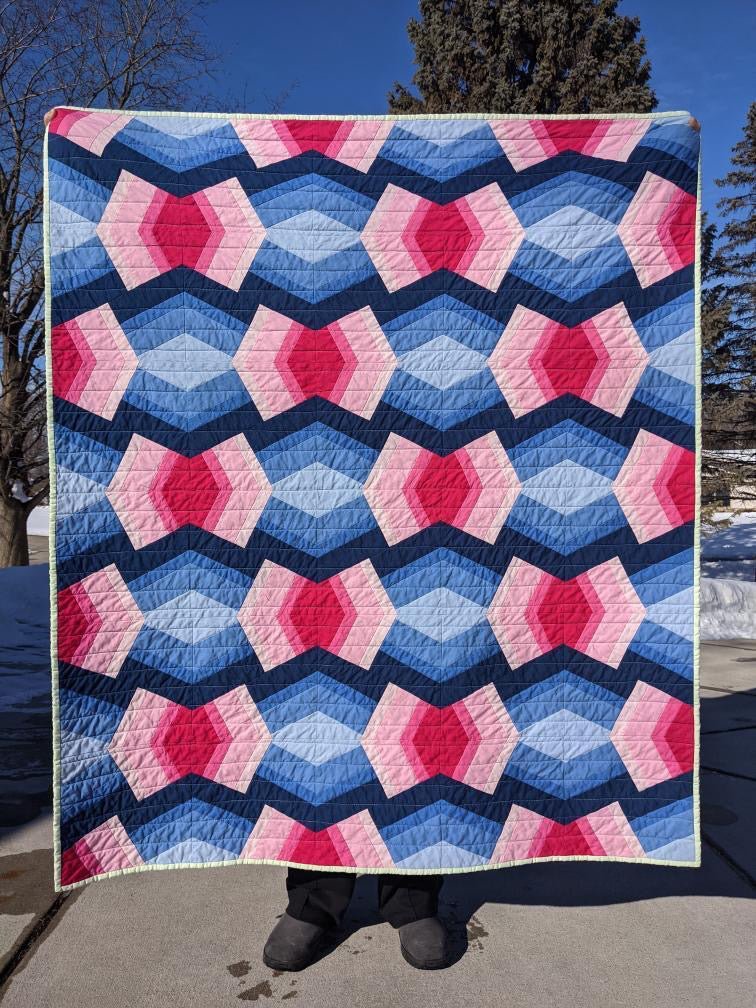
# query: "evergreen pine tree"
{"points": [[736, 256], [728, 331], [543, 56]]}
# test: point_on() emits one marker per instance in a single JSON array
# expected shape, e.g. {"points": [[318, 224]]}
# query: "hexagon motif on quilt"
{"points": [[409, 741], [440, 149], [527, 142], [92, 361], [442, 375], [527, 834], [441, 602], [672, 135], [654, 736], [666, 634], [441, 835], [190, 606], [656, 486], [83, 516], [317, 495], [98, 622], [472, 488], [351, 842], [106, 848], [571, 246], [409, 237], [158, 741], [285, 614], [662, 211], [600, 360], [185, 372], [282, 363], [567, 496], [177, 142], [354, 142], [668, 832], [597, 612], [147, 231], [91, 130], [76, 205], [192, 832], [88, 774], [565, 743], [316, 729], [313, 238], [667, 332], [222, 490]]}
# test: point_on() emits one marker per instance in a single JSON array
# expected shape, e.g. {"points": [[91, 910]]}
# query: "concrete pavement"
{"points": [[610, 935]]}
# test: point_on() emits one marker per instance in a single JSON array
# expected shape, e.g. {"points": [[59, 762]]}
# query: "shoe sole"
{"points": [[433, 964], [297, 967], [288, 967]]}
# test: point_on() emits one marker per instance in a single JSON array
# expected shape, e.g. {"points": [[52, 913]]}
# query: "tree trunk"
{"points": [[14, 543]]}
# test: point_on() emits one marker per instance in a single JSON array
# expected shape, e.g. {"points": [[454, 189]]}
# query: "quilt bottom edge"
{"points": [[373, 870]]}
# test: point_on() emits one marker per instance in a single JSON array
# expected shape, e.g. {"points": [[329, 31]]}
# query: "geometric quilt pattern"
{"points": [[374, 509]]}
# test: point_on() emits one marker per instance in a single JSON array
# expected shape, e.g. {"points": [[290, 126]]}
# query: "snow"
{"points": [[728, 609], [728, 582], [25, 724], [733, 570], [24, 607], [730, 552], [736, 541]]}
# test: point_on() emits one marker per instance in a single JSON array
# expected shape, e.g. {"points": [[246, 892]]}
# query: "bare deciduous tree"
{"points": [[113, 54]]}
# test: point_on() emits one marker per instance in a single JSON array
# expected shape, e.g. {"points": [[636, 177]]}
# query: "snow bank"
{"points": [[738, 542], [730, 553], [732, 570], [728, 609], [25, 722], [24, 606]]}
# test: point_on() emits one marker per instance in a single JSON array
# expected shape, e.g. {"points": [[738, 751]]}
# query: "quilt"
{"points": [[373, 509]]}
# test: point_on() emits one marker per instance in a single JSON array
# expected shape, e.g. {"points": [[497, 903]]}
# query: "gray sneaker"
{"points": [[293, 944], [424, 943]]}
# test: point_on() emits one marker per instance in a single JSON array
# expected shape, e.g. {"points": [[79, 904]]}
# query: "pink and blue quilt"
{"points": [[374, 503]]}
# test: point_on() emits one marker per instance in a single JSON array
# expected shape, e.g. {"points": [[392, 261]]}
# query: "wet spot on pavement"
{"points": [[475, 933], [263, 989]]}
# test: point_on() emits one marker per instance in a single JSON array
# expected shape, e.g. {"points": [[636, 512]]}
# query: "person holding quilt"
{"points": [[318, 901], [390, 568]]}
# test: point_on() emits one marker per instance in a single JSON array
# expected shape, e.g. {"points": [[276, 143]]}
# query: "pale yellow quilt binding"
{"points": [[53, 474], [654, 116], [697, 532]]}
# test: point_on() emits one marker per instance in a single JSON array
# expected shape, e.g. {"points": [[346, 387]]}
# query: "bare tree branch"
{"points": [[115, 54]]}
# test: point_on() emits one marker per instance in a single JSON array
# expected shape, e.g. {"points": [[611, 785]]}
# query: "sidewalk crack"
{"points": [[25, 945]]}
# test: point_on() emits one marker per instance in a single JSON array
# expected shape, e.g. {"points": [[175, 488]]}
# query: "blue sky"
{"points": [[342, 56]]}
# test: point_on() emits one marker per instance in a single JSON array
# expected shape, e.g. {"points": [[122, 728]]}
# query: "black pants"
{"points": [[323, 897]]}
